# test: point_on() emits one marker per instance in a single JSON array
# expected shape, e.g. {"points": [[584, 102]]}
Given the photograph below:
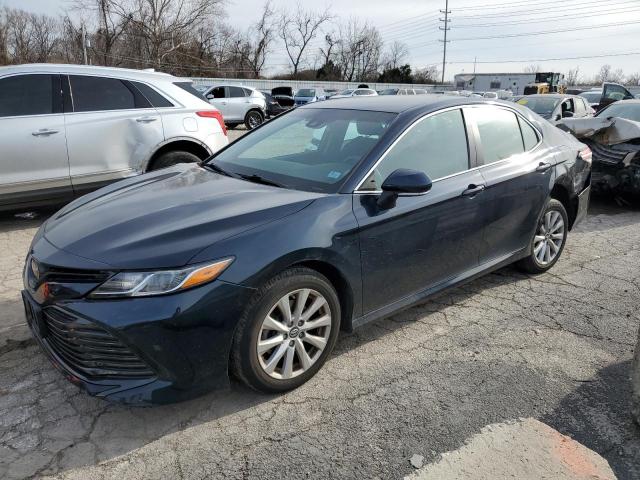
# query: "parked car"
{"points": [[609, 93], [403, 91], [284, 96], [324, 219], [556, 106], [329, 92], [66, 130], [238, 105], [309, 95], [355, 92], [490, 95], [273, 106], [614, 137]]}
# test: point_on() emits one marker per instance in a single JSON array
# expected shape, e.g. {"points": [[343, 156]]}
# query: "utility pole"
{"points": [[475, 59], [84, 45], [445, 29]]}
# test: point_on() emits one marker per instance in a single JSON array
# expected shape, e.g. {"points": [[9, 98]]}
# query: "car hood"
{"points": [[163, 219]]}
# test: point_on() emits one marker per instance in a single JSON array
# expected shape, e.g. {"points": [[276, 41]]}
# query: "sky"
{"points": [[524, 32]]}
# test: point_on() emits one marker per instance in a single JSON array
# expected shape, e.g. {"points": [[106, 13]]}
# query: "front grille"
{"points": [[90, 350]]}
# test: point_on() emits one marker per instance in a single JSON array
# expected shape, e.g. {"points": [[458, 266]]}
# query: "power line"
{"points": [[582, 57], [518, 4], [547, 32], [542, 11]]}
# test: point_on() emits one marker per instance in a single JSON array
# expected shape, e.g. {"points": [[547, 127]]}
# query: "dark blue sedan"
{"points": [[332, 215]]}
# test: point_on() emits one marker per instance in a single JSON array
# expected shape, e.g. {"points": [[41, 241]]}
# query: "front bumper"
{"points": [[175, 346]]}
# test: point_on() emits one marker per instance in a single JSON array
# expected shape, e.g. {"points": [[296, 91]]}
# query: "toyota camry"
{"points": [[249, 264]]}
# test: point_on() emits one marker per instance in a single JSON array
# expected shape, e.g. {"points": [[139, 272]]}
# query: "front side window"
{"points": [[307, 149], [499, 131], [92, 94], [26, 95], [628, 110], [218, 92], [435, 145]]}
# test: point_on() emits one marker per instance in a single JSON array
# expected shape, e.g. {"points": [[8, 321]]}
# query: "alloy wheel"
{"points": [[294, 334], [255, 119], [549, 238]]}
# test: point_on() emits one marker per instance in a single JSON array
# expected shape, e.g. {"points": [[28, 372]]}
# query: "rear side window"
{"points": [[27, 95], [94, 94], [499, 132], [236, 92], [529, 135], [436, 145], [155, 99]]}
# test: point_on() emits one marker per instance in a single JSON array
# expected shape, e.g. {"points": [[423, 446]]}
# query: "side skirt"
{"points": [[423, 295]]}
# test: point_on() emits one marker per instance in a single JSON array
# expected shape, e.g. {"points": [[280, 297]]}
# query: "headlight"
{"points": [[143, 284]]}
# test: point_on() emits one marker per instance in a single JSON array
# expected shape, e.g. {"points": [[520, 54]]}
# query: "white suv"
{"points": [[238, 105], [66, 130]]}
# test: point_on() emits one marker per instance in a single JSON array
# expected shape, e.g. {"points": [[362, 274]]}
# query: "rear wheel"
{"points": [[172, 158], [548, 241], [287, 332], [253, 119]]}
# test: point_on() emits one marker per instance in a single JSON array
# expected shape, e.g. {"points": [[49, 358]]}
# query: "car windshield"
{"points": [[630, 111], [389, 91], [592, 97], [346, 92], [306, 92], [306, 149], [541, 105]]}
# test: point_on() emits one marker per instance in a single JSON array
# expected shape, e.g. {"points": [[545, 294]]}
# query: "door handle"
{"points": [[44, 132], [146, 119], [543, 167], [473, 190]]}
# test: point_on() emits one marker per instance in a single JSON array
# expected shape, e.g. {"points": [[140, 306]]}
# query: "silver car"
{"points": [[66, 130], [238, 104]]}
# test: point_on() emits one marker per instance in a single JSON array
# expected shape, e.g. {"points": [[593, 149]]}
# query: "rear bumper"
{"points": [[184, 339]]}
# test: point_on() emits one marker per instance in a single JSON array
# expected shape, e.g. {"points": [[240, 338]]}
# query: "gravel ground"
{"points": [[555, 347]]}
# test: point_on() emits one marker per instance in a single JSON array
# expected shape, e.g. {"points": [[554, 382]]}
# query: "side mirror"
{"points": [[402, 181], [210, 96], [567, 114]]}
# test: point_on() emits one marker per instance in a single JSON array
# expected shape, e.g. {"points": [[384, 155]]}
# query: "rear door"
{"points": [[33, 165], [112, 130], [517, 169], [238, 103]]}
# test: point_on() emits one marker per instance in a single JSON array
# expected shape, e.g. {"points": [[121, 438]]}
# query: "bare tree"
{"points": [[45, 36], [427, 75], [297, 29], [604, 74], [260, 37], [633, 79], [572, 76], [4, 47], [533, 68], [395, 55]]}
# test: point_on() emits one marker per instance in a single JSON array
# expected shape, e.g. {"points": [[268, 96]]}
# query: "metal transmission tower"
{"points": [[445, 29]]}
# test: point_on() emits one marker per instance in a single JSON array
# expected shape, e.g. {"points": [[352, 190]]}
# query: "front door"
{"points": [[424, 240], [612, 92], [111, 132], [219, 98], [33, 165], [238, 103]]}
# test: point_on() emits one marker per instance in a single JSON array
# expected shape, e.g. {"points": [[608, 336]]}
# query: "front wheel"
{"points": [[287, 331], [548, 241]]}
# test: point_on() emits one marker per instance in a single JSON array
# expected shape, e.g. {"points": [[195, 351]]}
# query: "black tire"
{"points": [[253, 119], [169, 159], [231, 126], [531, 264], [245, 364]]}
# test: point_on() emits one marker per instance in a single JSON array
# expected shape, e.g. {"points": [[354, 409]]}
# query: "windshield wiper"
{"points": [[218, 169], [258, 179]]}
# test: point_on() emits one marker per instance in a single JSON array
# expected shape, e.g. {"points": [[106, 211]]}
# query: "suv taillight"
{"points": [[214, 114], [586, 154]]}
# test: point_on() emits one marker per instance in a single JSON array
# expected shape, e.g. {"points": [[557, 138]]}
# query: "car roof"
{"points": [[398, 104], [88, 70], [551, 95]]}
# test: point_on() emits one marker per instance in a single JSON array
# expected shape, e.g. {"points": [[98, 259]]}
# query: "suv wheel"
{"points": [[172, 158], [253, 119], [548, 241], [287, 331]]}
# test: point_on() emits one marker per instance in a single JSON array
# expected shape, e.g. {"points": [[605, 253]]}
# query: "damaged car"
{"points": [[614, 138]]}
